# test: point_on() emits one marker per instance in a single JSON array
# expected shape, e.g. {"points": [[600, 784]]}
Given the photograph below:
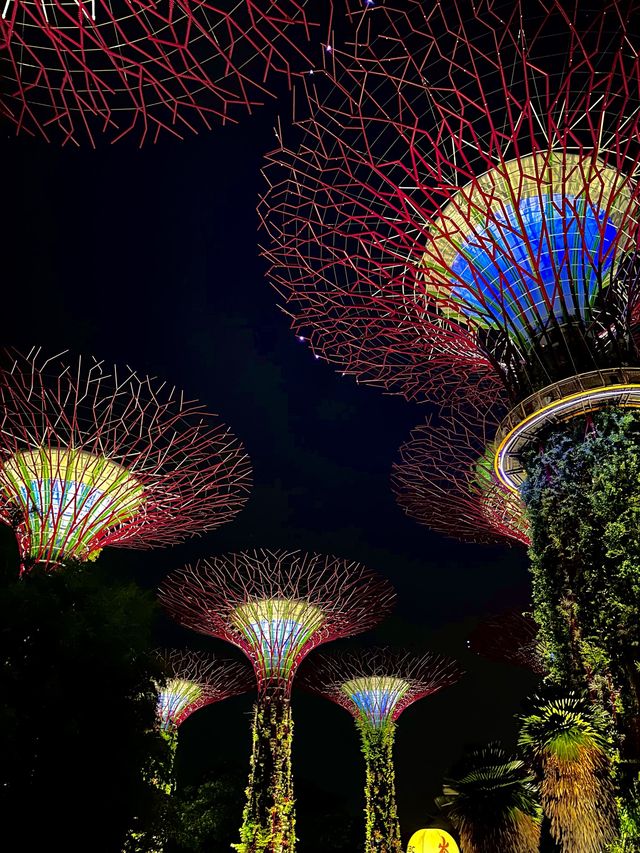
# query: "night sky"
{"points": [[150, 257]]}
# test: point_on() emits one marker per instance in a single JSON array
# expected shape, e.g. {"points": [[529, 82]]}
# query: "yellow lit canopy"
{"points": [[69, 499]]}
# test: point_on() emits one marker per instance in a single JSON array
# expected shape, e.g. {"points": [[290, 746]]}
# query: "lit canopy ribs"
{"points": [[445, 479], [459, 204], [276, 605], [93, 456], [194, 680]]}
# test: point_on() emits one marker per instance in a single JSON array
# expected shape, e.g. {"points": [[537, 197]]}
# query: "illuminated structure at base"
{"points": [[276, 606], [432, 841], [74, 70], [92, 456], [375, 686]]}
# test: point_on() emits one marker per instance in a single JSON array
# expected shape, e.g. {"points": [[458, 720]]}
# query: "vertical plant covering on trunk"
{"points": [[268, 820], [565, 743], [492, 801], [375, 686], [276, 606], [382, 824], [583, 500]]}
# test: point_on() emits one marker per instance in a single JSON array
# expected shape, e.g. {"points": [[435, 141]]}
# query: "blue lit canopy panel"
{"points": [[277, 631], [176, 700], [375, 698], [529, 243]]}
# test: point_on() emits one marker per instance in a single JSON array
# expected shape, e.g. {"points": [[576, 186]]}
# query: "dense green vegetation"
{"points": [[583, 501], [78, 740]]}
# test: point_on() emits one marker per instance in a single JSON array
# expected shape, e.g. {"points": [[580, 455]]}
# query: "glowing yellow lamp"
{"points": [[432, 841]]}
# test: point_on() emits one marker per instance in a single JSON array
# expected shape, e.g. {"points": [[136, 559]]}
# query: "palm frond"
{"points": [[492, 800], [566, 744]]}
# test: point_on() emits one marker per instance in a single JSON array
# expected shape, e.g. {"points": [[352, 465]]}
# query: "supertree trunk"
{"points": [[167, 781], [382, 824], [269, 815], [583, 500]]}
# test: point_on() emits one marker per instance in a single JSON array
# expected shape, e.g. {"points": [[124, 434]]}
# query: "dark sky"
{"points": [[150, 257]]}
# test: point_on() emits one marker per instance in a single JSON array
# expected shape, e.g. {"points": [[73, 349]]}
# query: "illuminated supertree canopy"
{"points": [[276, 606], [375, 686], [92, 456], [460, 204], [75, 70], [194, 680]]}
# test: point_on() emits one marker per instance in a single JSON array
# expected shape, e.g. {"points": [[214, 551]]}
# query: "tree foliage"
{"points": [[563, 739], [77, 722], [583, 501], [206, 815], [492, 801]]}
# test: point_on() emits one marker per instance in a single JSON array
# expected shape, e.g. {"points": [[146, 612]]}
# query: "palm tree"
{"points": [[566, 746], [492, 800]]}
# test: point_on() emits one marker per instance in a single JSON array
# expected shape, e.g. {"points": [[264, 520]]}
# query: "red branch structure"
{"points": [[194, 680], [510, 637], [92, 456], [459, 199], [445, 480], [376, 685], [75, 70], [276, 606]]}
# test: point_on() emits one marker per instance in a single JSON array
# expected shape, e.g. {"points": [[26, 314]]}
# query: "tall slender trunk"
{"points": [[168, 783], [382, 825], [268, 824]]}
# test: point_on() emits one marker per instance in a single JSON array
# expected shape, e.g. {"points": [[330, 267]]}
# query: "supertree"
{"points": [[194, 680], [75, 70], [375, 686], [92, 456], [510, 637], [276, 606], [457, 218]]}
